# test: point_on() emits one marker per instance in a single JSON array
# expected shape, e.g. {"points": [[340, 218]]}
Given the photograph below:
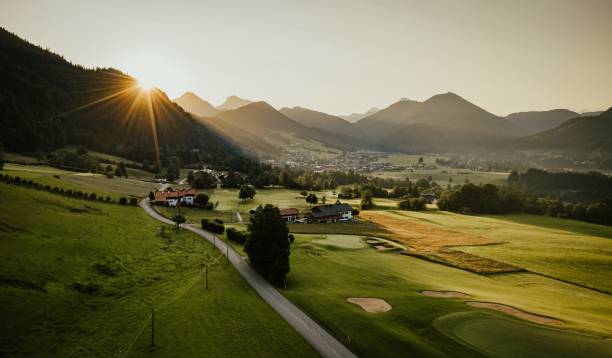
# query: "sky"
{"points": [[340, 56]]}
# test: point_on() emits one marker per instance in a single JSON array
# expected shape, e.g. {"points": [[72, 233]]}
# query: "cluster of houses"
{"points": [[328, 213]]}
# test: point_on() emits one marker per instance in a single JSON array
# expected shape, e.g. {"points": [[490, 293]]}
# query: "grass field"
{"points": [[79, 278], [323, 277], [569, 250], [441, 174], [88, 182]]}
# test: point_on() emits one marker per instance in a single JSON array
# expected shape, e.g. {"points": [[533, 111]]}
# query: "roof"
{"points": [[289, 212], [322, 211], [165, 195]]}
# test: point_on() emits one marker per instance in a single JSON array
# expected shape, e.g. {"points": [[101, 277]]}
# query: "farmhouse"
{"points": [[330, 213], [290, 215], [172, 198]]}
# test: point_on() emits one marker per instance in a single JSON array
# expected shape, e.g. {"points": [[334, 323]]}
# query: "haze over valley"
{"points": [[305, 179]]}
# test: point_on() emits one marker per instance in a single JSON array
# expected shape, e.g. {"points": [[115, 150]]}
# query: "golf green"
{"points": [[504, 337]]}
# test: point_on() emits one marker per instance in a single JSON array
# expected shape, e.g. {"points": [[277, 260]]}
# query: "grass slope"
{"points": [[323, 277], [79, 278], [570, 250]]}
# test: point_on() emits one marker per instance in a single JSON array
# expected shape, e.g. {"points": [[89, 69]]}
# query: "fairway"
{"points": [[322, 278], [569, 250], [79, 278]]}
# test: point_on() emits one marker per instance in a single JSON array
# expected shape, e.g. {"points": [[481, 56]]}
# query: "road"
{"points": [[318, 337]]}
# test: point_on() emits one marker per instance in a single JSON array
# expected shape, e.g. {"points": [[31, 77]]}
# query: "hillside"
{"points": [[539, 121], [583, 136], [354, 117], [196, 105], [447, 121], [47, 103], [260, 128], [233, 102], [315, 119]]}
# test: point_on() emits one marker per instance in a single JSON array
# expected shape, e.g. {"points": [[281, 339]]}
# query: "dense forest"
{"points": [[568, 186], [47, 103]]}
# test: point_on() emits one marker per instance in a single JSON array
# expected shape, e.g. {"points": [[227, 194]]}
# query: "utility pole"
{"points": [[152, 327]]}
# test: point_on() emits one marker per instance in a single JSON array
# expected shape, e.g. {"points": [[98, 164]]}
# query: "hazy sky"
{"points": [[341, 56]]}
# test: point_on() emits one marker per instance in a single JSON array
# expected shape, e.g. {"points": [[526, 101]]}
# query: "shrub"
{"points": [[93, 196], [236, 236], [133, 201], [219, 221], [213, 226], [414, 204], [123, 200]]}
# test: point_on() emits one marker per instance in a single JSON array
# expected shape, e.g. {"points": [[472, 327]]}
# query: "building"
{"points": [[172, 198], [290, 215], [429, 197], [330, 213]]}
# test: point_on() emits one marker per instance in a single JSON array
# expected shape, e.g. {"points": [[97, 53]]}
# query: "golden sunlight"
{"points": [[145, 84]]}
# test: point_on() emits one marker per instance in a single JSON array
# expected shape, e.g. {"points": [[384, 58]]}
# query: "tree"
{"points": [[268, 244], [133, 201], [178, 220], [151, 196], [123, 200], [312, 199], [366, 200], [202, 180], [201, 199], [246, 192], [173, 169]]}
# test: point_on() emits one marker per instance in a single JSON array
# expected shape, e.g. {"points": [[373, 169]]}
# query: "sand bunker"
{"points": [[342, 241], [372, 305], [517, 313], [445, 294]]}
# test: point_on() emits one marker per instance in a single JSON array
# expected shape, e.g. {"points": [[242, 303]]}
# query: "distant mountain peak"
{"points": [[233, 102], [192, 103]]}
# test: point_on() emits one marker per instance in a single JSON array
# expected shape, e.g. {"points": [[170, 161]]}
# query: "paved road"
{"points": [[239, 217], [318, 337]]}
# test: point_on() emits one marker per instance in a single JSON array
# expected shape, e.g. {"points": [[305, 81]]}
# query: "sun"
{"points": [[145, 84]]}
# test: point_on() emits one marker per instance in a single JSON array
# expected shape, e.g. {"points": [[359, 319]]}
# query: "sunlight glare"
{"points": [[145, 84]]}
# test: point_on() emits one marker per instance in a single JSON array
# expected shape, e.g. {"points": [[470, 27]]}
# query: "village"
{"points": [[324, 213]]}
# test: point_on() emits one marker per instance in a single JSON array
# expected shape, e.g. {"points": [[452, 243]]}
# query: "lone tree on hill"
{"points": [[268, 244], [246, 192]]}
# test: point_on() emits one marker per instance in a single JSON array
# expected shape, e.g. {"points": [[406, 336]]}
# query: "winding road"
{"points": [[319, 338]]}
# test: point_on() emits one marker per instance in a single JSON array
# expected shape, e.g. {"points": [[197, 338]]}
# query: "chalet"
{"points": [[330, 213], [290, 215], [172, 198]]}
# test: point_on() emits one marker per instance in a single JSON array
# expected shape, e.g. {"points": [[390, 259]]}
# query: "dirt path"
{"points": [[316, 335]]}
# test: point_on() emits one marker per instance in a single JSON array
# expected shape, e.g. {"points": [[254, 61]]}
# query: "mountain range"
{"points": [[354, 117], [47, 103]]}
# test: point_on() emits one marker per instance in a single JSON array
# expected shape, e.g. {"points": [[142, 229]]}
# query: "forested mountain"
{"points": [[47, 103], [587, 137], [444, 122], [196, 105], [233, 102], [261, 128], [315, 119], [539, 121]]}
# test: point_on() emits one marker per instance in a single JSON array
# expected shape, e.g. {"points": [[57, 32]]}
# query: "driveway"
{"points": [[318, 337]]}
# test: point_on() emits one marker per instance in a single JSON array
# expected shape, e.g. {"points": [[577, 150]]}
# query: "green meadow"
{"points": [[569, 250], [79, 278], [89, 182], [324, 276]]}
